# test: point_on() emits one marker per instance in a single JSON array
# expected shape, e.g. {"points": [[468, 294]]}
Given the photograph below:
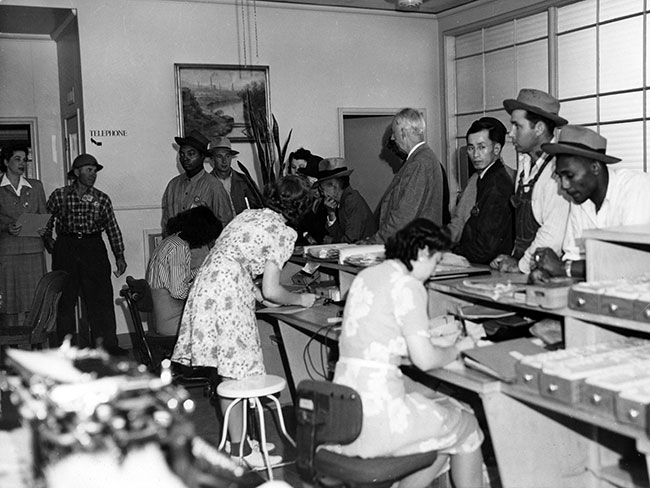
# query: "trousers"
{"points": [[86, 261]]}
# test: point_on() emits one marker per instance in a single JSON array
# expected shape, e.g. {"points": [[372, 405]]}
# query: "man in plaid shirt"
{"points": [[80, 213]]}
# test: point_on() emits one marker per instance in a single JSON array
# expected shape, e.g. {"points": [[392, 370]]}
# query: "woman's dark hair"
{"points": [[9, 151], [197, 226], [290, 196], [418, 234]]}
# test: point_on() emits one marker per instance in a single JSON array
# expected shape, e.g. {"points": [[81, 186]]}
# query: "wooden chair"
{"points": [[41, 319], [328, 413]]}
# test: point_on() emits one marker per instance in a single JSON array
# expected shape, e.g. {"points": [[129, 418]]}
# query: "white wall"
{"points": [[319, 59], [29, 85]]}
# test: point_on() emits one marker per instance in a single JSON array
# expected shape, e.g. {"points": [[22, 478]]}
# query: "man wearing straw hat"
{"points": [[601, 196], [349, 217], [241, 188], [541, 211]]}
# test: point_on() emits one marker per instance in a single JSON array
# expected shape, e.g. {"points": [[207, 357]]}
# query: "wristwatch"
{"points": [[567, 268]]}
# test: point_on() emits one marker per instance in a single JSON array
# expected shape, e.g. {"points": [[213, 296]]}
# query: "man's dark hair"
{"points": [[533, 118], [496, 130], [418, 234], [197, 226], [9, 151]]}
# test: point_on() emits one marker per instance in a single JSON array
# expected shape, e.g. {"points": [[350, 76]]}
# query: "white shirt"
{"points": [[21, 182], [550, 208], [414, 148], [627, 202]]}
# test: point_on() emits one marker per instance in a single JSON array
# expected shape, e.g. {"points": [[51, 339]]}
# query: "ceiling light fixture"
{"points": [[409, 4]]}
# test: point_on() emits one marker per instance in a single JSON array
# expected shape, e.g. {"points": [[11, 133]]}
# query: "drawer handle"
{"points": [[552, 388], [633, 413], [528, 377], [613, 307], [596, 398], [580, 302]]}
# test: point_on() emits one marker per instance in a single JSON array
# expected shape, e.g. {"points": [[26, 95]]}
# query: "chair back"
{"points": [[41, 319], [326, 413], [132, 299]]}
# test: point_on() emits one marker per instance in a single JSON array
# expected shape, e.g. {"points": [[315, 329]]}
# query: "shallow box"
{"points": [[617, 306], [551, 295], [598, 393], [530, 367], [584, 299], [631, 406], [563, 382]]}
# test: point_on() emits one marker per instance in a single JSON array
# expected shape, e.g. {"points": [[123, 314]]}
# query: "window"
{"points": [[596, 51]]}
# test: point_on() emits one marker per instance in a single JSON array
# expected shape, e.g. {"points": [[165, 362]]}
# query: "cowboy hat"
{"points": [[197, 140], [222, 143], [81, 161], [580, 141], [537, 102], [332, 168]]}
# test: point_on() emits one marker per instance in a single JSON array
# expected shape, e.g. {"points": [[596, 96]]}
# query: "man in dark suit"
{"points": [[489, 230], [420, 188]]}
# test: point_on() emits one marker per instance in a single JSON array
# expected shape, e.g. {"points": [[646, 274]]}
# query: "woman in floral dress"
{"points": [[385, 323], [219, 328]]}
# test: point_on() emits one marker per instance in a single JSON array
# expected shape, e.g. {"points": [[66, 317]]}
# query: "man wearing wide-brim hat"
{"points": [[540, 210], [349, 218], [195, 186], [80, 214], [242, 190], [602, 196]]}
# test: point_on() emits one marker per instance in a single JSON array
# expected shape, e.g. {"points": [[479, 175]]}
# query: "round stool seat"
{"points": [[251, 387]]}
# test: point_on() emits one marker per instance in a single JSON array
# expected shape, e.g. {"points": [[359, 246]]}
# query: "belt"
{"points": [[81, 235]]}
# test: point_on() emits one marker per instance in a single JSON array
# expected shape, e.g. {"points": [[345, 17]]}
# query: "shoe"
{"points": [[255, 460], [255, 446]]}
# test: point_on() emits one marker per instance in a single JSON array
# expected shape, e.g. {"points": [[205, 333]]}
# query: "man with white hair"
{"points": [[420, 188]]}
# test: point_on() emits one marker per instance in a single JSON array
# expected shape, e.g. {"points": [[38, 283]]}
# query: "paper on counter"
{"points": [[361, 250]]}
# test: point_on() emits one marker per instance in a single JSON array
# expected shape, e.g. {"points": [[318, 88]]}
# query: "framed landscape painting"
{"points": [[214, 99]]}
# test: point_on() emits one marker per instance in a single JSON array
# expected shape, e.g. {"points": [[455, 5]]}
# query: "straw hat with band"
{"points": [[537, 102], [332, 168], [81, 161], [222, 143], [197, 140], [580, 141]]}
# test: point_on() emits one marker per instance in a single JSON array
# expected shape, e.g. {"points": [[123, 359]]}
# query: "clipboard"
{"points": [[31, 223]]}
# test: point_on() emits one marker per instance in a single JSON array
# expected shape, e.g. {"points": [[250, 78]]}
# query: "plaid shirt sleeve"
{"points": [[110, 226]]}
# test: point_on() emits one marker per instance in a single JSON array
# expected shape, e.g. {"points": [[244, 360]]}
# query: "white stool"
{"points": [[252, 389]]}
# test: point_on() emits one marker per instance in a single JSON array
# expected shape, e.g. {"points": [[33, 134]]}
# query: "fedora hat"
{"points": [[537, 102], [222, 142], [81, 161], [580, 141], [332, 168], [197, 140]]}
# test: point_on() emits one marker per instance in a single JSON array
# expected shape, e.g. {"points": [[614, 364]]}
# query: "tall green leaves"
{"points": [[270, 152]]}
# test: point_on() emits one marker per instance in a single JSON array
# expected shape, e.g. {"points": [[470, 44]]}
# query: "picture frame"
{"points": [[151, 238], [213, 99]]}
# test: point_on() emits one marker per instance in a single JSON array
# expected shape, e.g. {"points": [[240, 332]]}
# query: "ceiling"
{"points": [[45, 21], [31, 20], [427, 7]]}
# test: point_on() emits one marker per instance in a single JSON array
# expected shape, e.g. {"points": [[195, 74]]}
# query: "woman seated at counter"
{"points": [[384, 324], [170, 272]]}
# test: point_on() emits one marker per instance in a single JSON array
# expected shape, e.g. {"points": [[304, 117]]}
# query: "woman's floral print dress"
{"points": [[219, 328], [384, 306]]}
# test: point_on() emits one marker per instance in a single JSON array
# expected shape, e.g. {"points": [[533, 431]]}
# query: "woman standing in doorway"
{"points": [[22, 261]]}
